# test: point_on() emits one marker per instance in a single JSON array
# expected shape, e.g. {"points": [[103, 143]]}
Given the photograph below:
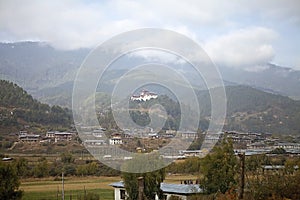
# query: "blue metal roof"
{"points": [[180, 188], [170, 188], [119, 184]]}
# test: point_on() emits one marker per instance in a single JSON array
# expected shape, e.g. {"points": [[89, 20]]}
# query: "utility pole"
{"points": [[242, 175], [141, 188], [57, 192], [63, 188]]}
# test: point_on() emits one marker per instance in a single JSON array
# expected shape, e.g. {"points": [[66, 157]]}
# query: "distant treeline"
{"points": [[67, 164]]}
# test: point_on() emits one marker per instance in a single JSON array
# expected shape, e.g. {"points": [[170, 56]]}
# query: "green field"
{"points": [[105, 194], [74, 188]]}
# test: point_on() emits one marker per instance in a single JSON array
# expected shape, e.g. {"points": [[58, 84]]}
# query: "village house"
{"points": [[190, 153], [59, 136], [29, 138], [91, 143], [189, 135], [98, 133], [24, 136], [183, 191]]}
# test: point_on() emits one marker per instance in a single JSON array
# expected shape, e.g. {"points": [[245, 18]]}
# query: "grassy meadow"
{"points": [[74, 187]]}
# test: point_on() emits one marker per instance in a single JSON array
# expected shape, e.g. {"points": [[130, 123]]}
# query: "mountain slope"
{"points": [[18, 108], [249, 109]]}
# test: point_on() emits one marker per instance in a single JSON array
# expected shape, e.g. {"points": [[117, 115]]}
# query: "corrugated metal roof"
{"points": [[119, 184], [170, 188], [180, 188]]}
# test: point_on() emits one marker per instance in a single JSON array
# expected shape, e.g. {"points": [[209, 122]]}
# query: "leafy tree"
{"points": [[81, 170], [67, 158], [219, 168], [254, 162], [69, 169], [9, 182], [188, 166], [41, 169], [281, 183], [87, 169], [22, 167], [152, 179]]}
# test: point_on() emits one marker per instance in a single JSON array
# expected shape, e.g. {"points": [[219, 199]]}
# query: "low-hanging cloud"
{"points": [[243, 48], [73, 24], [63, 24]]}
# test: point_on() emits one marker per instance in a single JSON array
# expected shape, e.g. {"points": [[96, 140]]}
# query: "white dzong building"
{"points": [[144, 96]]}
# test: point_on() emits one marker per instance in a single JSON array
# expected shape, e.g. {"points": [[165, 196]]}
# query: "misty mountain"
{"points": [[48, 73], [270, 78], [36, 65]]}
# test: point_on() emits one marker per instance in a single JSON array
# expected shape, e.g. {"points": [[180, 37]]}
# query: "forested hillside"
{"points": [[248, 109], [18, 108]]}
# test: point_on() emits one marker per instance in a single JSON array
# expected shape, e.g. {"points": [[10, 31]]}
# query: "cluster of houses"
{"points": [[250, 143], [99, 137], [259, 143], [51, 136]]}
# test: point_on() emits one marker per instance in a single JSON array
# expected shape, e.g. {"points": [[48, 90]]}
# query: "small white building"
{"points": [[189, 135], [116, 140], [184, 191], [92, 143]]}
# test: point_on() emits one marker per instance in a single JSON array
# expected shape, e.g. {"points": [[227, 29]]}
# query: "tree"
{"points": [[67, 158], [219, 168], [276, 184], [41, 169], [152, 179], [9, 182], [87, 169], [22, 167]]}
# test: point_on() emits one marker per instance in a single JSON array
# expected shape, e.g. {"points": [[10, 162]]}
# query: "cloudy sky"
{"points": [[234, 33]]}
